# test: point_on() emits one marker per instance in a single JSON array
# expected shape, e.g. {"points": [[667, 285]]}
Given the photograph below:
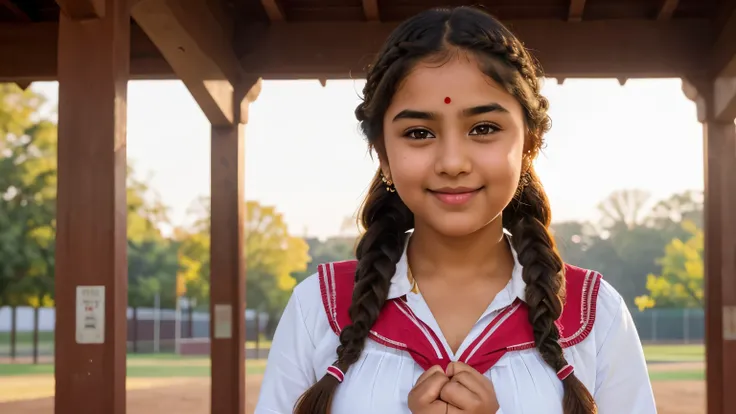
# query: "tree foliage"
{"points": [[680, 283], [626, 244], [27, 199]]}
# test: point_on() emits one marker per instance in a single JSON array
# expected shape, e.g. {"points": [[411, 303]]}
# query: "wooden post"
{"points": [[720, 264], [91, 264], [227, 274], [719, 152]]}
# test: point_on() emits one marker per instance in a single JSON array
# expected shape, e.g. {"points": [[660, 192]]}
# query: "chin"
{"points": [[458, 225]]}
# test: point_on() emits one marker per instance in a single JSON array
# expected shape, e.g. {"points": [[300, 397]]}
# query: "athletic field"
{"points": [[181, 385]]}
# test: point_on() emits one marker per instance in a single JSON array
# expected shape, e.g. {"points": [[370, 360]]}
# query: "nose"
{"points": [[453, 157]]}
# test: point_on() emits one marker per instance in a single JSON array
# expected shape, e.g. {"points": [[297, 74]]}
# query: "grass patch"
{"points": [[139, 370], [693, 375], [674, 353], [26, 338]]}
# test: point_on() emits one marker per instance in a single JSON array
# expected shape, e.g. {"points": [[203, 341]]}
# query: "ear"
{"points": [[385, 168]]}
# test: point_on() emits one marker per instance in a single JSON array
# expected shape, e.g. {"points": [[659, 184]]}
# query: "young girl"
{"points": [[458, 301]]}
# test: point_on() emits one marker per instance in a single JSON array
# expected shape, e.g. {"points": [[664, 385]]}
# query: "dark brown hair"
{"points": [[438, 34]]}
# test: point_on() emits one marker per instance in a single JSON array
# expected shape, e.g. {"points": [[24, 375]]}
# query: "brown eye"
{"points": [[484, 129], [418, 134]]}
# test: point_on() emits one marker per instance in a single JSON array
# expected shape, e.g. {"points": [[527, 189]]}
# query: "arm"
{"points": [[622, 381], [289, 369]]}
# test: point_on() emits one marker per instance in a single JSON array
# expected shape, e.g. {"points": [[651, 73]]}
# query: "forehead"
{"points": [[458, 78]]}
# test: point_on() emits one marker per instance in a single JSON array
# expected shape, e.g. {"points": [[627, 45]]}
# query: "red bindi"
{"points": [[448, 100]]}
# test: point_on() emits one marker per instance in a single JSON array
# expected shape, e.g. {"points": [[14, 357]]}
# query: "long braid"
{"points": [[385, 219], [528, 217]]}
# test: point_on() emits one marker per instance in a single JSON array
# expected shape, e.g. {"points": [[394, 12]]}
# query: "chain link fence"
{"points": [[151, 330]]}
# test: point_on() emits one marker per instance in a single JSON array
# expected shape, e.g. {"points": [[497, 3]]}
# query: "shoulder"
{"points": [[324, 297], [597, 302], [592, 306], [310, 290]]}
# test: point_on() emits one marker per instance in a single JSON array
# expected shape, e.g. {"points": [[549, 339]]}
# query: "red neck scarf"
{"points": [[397, 326]]}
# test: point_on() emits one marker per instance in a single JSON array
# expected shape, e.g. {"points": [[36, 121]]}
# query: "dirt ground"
{"points": [[192, 397]]}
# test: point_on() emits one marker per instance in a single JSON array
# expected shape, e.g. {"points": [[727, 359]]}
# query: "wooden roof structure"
{"points": [[221, 49]]}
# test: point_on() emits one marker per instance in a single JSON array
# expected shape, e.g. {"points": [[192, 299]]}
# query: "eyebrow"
{"points": [[476, 110]]}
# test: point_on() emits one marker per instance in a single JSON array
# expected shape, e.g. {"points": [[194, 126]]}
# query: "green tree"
{"points": [[152, 258], [272, 257], [680, 283], [332, 249], [193, 277], [27, 199]]}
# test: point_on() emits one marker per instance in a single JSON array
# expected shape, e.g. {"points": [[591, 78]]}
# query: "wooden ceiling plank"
{"points": [[274, 10], [597, 49], [724, 49], [666, 9], [627, 48], [82, 9], [370, 8], [15, 10], [193, 42], [577, 7]]}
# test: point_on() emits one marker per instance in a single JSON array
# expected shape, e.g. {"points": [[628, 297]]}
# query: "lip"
{"points": [[455, 195]]}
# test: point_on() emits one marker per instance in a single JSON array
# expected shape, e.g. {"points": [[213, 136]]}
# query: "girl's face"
{"points": [[453, 141]]}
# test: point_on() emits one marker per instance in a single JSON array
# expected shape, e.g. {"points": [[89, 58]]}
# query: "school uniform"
{"points": [[598, 337]]}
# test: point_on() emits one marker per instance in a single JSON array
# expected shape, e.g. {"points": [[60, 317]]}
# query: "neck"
{"points": [[478, 254]]}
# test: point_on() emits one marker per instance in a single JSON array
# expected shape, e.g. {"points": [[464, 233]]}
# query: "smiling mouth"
{"points": [[455, 196]]}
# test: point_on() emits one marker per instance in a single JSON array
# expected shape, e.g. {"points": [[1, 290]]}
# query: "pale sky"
{"points": [[304, 153]]}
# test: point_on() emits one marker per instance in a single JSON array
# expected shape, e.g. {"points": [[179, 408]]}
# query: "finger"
{"points": [[474, 384], [426, 374], [429, 390], [457, 395], [484, 384]]}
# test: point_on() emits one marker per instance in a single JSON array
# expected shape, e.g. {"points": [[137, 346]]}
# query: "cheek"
{"points": [[500, 167], [408, 172], [408, 165]]}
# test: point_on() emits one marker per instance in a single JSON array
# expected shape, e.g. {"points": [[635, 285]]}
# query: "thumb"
{"points": [[450, 371]]}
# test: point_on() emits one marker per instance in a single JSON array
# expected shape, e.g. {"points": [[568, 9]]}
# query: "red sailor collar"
{"points": [[398, 327]]}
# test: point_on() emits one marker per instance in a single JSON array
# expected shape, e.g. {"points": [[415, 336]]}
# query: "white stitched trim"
{"points": [[491, 331], [424, 331]]}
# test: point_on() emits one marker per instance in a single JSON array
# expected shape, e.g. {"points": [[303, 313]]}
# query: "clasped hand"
{"points": [[460, 389]]}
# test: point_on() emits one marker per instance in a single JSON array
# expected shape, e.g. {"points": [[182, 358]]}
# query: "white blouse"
{"points": [[610, 361]]}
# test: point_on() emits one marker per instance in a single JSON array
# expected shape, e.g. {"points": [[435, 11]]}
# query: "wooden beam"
{"points": [[23, 85], [193, 41], [82, 9], [575, 14], [370, 8], [15, 10], [91, 261], [273, 10], [588, 49], [724, 50], [724, 100], [35, 47], [666, 9]]}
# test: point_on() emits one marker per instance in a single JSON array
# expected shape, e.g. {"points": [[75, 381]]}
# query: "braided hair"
{"points": [[437, 34]]}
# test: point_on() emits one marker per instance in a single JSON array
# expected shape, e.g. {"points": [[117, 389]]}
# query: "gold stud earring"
{"points": [[389, 184]]}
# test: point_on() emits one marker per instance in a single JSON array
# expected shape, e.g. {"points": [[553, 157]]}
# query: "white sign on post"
{"points": [[729, 323], [90, 315], [223, 321]]}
